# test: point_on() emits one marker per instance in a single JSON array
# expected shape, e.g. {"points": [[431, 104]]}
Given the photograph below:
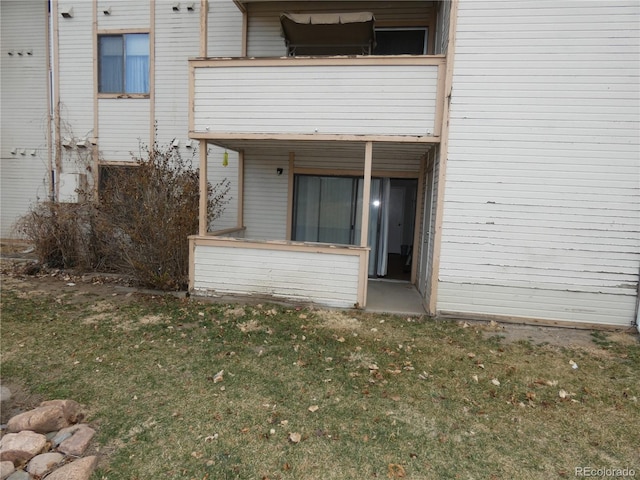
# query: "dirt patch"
{"points": [[21, 275], [338, 320], [21, 400], [553, 336]]}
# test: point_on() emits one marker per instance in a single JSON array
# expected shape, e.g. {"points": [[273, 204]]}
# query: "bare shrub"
{"points": [[138, 226], [55, 233], [148, 211]]}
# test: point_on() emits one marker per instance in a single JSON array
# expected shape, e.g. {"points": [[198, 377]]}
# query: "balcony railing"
{"points": [[374, 96]]}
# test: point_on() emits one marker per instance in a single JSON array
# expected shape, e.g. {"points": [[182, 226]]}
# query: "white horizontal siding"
{"points": [[358, 99], [542, 201], [24, 113], [264, 33], [177, 38], [75, 51], [127, 13], [216, 172], [124, 128], [265, 196], [544, 304], [224, 29], [322, 278], [333, 160]]}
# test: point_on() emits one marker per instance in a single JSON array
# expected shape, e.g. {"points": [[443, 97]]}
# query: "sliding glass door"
{"points": [[329, 210]]}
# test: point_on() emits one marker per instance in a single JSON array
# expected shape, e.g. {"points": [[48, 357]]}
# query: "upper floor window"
{"points": [[123, 63], [401, 41]]}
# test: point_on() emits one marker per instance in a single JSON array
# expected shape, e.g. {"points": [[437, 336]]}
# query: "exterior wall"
{"points": [[177, 38], [265, 199], [224, 29], [131, 14], [542, 201], [333, 160], [216, 172], [298, 273], [25, 110], [123, 128], [352, 98], [74, 79]]}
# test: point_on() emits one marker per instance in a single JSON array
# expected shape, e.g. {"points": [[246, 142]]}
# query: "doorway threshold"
{"points": [[393, 296]]}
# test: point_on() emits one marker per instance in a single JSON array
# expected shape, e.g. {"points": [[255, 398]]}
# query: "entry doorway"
{"points": [[400, 229]]}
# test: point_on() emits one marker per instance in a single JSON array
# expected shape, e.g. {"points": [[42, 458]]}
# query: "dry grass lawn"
{"points": [[316, 394]]}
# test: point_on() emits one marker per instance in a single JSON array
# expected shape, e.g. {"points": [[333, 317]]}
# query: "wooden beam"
{"points": [[443, 154], [204, 194], [292, 159], [366, 194], [204, 27], [240, 221]]}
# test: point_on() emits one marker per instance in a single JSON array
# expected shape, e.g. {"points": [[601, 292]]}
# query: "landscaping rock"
{"points": [[19, 475], [44, 463], [41, 420], [60, 437], [75, 445], [79, 470], [70, 408], [57, 429], [6, 469], [21, 447]]}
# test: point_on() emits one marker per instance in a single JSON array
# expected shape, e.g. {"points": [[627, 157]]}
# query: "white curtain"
{"points": [[111, 73], [383, 238], [137, 63]]}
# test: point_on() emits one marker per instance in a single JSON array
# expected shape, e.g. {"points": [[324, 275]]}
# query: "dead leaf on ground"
{"points": [[295, 437], [396, 471], [218, 377], [313, 408], [495, 381]]}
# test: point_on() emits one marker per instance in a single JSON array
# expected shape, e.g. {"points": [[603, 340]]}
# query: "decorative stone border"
{"points": [[47, 443]]}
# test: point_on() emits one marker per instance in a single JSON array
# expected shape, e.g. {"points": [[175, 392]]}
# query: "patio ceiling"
{"points": [[343, 149]]}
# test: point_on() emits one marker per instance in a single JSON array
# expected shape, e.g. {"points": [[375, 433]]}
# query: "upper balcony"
{"points": [[325, 74]]}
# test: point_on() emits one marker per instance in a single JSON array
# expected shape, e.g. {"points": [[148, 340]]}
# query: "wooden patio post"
{"points": [[366, 194], [203, 227], [204, 27]]}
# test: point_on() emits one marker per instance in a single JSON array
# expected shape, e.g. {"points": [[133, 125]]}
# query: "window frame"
{"points": [[122, 33]]}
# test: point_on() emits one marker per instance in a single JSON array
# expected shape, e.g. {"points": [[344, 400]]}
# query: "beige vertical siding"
{"points": [[542, 202]]}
